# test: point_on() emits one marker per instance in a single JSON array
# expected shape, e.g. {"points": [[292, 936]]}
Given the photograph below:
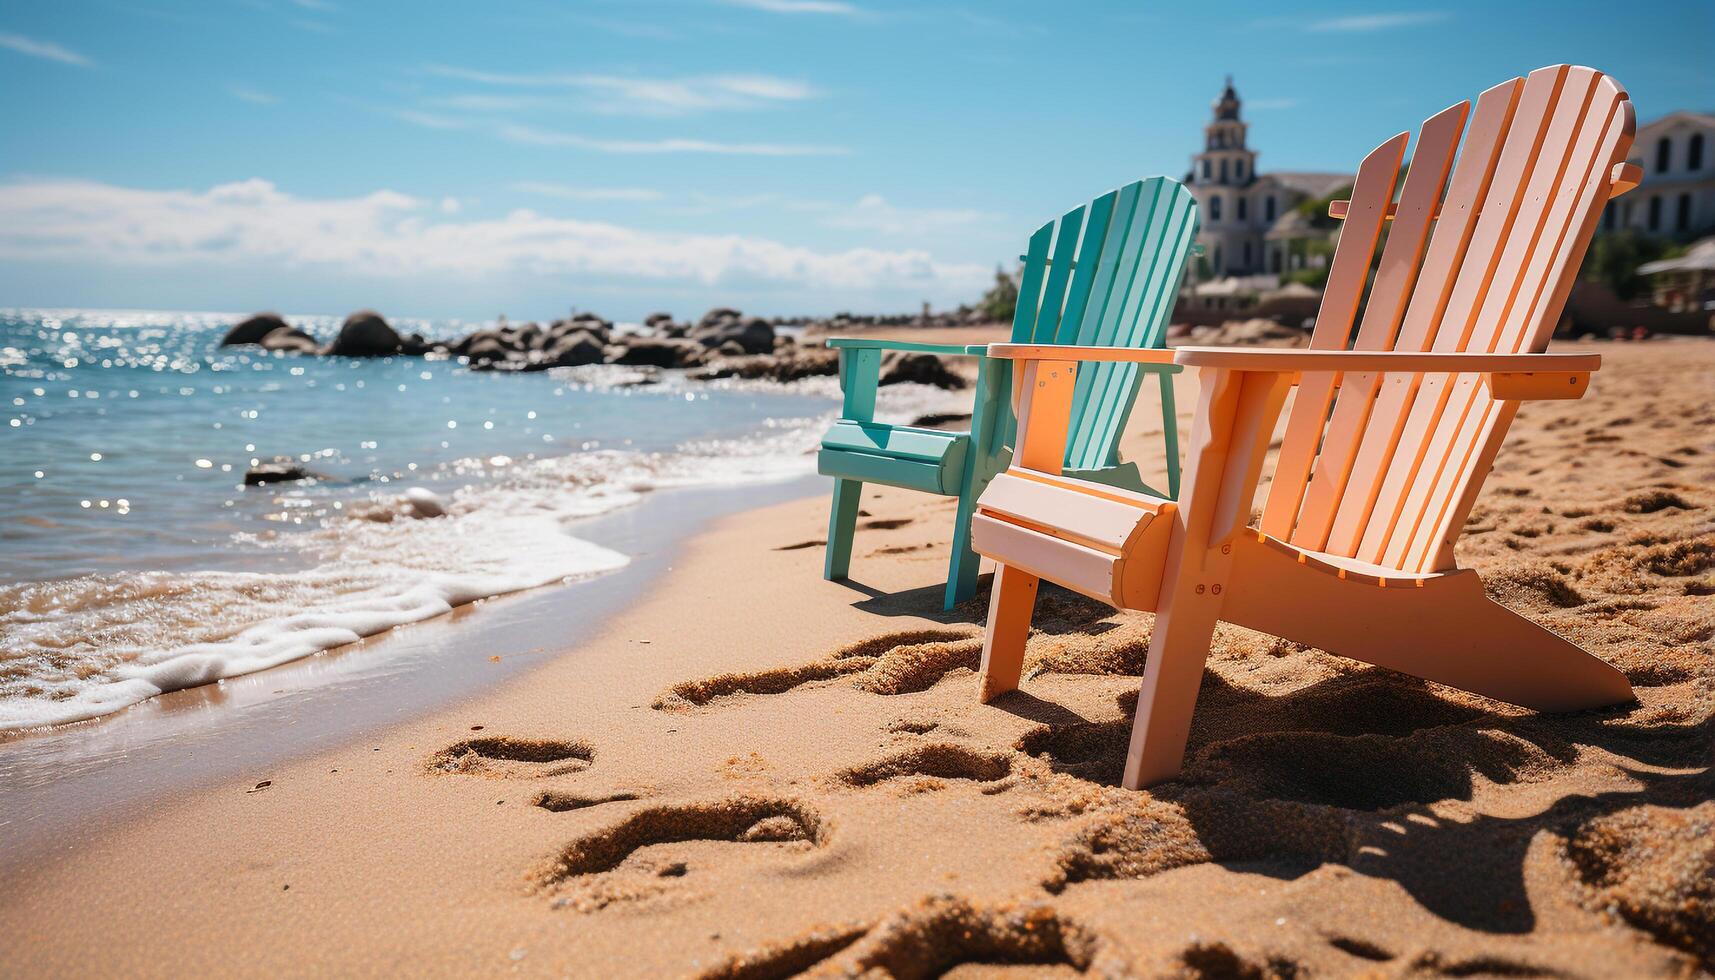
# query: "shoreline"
{"points": [[296, 709]]}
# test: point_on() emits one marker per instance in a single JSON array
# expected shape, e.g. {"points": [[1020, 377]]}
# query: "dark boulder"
{"points": [[660, 352], [490, 346], [899, 367], [717, 315], [657, 320], [253, 329], [755, 335], [290, 339], [365, 334], [280, 469], [574, 349], [788, 365]]}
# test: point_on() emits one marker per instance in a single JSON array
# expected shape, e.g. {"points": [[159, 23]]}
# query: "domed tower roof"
{"points": [[1227, 106]]}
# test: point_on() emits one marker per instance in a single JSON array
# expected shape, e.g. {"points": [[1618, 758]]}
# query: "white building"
{"points": [[1676, 198], [1248, 224]]}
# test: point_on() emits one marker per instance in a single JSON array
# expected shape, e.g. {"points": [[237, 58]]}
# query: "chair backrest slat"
{"points": [[1431, 162], [1372, 192], [1453, 229], [1160, 240], [1580, 134], [1390, 474], [1115, 269]]}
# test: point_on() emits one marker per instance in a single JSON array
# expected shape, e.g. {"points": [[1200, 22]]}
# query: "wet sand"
{"points": [[752, 772]]}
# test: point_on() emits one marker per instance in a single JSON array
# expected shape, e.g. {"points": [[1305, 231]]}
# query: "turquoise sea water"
{"points": [[133, 560]]}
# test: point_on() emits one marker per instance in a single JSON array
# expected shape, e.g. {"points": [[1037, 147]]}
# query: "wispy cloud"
{"points": [[654, 96], [388, 234], [246, 94], [43, 49], [799, 6], [872, 212], [534, 136], [430, 120], [1368, 23], [567, 192]]}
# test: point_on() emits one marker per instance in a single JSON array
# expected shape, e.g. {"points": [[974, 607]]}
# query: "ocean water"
{"points": [[133, 561]]}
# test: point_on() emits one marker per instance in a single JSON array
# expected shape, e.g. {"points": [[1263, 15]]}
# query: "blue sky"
{"points": [[468, 159]]}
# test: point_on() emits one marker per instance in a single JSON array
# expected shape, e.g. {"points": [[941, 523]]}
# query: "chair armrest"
{"points": [[1293, 360], [1149, 358], [1509, 377], [950, 350]]}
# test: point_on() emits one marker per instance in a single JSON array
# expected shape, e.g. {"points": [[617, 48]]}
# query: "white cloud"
{"points": [[44, 49], [534, 136], [387, 234], [798, 6], [251, 95], [567, 192], [654, 96], [1368, 23], [872, 212]]}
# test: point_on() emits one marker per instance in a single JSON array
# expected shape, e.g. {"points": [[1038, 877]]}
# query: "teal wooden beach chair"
{"points": [[1115, 268]]}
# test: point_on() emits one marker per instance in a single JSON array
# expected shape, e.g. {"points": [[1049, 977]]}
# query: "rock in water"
{"points": [[365, 334], [575, 349], [290, 339], [660, 352], [424, 503], [280, 469], [898, 367], [252, 330]]}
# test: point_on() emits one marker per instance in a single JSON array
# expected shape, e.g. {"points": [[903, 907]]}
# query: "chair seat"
{"points": [[1090, 537], [929, 460]]}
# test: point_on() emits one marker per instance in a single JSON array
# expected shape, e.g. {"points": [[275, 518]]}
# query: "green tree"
{"points": [[1614, 258], [1001, 300]]}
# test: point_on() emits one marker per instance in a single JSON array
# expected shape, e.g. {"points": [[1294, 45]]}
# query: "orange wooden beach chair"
{"points": [[1392, 432]]}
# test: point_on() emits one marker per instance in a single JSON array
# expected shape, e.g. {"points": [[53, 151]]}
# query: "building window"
{"points": [[1268, 209], [1223, 170], [1242, 210], [1655, 214], [1205, 168], [1247, 248], [1239, 170], [1663, 155], [1626, 214], [1215, 208], [1682, 213], [1694, 153]]}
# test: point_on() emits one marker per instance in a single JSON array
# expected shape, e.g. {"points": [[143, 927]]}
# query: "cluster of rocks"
{"points": [[964, 316], [723, 344]]}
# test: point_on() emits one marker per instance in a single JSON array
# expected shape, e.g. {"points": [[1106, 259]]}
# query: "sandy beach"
{"points": [[752, 772]]}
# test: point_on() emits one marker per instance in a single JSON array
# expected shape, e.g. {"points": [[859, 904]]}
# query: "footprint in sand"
{"points": [[932, 937], [503, 757], [927, 765], [637, 858], [894, 663], [556, 801]]}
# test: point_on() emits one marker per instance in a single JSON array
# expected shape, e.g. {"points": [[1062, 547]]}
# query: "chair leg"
{"points": [[1011, 603], [1178, 650], [842, 523], [962, 566]]}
